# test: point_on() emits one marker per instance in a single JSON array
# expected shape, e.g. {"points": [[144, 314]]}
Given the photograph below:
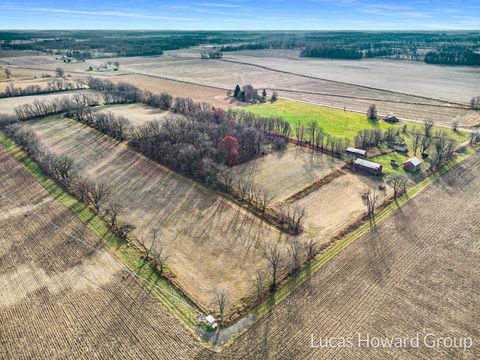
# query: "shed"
{"points": [[356, 152], [412, 164], [210, 320], [368, 166], [391, 119]]}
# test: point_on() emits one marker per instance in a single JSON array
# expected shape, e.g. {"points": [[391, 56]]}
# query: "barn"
{"points": [[356, 152], [368, 167], [412, 164]]}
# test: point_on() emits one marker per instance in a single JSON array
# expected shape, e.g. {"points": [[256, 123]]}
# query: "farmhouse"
{"points": [[391, 119], [368, 167], [412, 164], [356, 152]]}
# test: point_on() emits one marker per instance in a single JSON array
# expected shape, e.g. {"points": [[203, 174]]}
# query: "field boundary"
{"points": [[306, 272], [173, 298], [339, 82], [168, 294]]}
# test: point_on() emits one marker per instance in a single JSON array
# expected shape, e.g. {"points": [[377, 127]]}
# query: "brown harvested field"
{"points": [[283, 173], [210, 242], [207, 81], [211, 95], [61, 299], [338, 204], [416, 272], [8, 105], [225, 74], [138, 114], [449, 83]]}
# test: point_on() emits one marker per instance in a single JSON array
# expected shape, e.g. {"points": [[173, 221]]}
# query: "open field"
{"points": [[226, 74], [138, 114], [201, 93], [8, 105], [336, 205], [286, 172], [450, 83], [416, 272], [339, 123], [210, 242], [158, 74], [61, 298]]}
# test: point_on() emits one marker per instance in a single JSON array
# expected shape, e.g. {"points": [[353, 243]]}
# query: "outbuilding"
{"points": [[413, 164], [391, 119], [211, 321], [356, 152], [368, 167]]}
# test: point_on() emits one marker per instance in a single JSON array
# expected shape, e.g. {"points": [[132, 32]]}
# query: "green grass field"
{"points": [[339, 123]]}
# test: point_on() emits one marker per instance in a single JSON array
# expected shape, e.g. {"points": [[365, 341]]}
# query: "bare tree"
{"points": [[455, 125], [99, 193], [8, 73], [159, 259], [399, 184], [370, 198], [312, 128], [428, 125], [416, 140], [114, 209], [153, 240], [295, 254], [221, 299], [59, 72], [117, 64], [258, 279], [310, 246], [274, 257], [264, 199], [372, 112]]}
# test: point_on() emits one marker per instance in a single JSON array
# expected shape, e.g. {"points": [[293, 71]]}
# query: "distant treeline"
{"points": [[328, 44], [331, 53], [461, 57]]}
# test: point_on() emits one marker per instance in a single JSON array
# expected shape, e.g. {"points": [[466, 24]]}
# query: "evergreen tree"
{"points": [[236, 93]]}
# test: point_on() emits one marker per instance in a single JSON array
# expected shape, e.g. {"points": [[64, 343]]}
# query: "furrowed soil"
{"points": [[70, 298], [416, 272], [210, 242]]}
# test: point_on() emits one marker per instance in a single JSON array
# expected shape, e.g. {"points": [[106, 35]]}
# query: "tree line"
{"points": [[59, 105], [53, 86], [454, 57]]}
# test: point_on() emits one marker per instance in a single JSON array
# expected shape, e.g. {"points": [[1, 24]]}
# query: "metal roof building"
{"points": [[368, 166], [355, 151]]}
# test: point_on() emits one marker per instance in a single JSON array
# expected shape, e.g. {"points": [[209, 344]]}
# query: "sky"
{"points": [[242, 14]]}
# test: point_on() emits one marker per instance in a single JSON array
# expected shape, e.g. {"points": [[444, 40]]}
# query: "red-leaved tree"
{"points": [[230, 144]]}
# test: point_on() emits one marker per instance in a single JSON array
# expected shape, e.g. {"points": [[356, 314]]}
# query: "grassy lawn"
{"points": [[339, 123]]}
